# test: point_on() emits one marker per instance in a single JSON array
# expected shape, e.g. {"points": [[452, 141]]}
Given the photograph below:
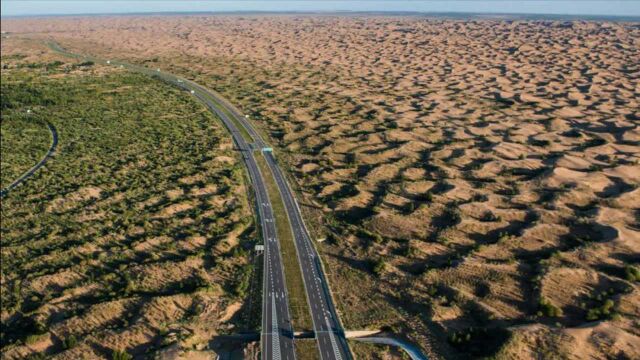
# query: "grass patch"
{"points": [[369, 351], [307, 349], [300, 315]]}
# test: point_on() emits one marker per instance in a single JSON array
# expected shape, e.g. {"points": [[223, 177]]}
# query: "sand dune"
{"points": [[493, 165]]}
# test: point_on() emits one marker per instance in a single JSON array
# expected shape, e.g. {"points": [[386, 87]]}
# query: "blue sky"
{"points": [[575, 7]]}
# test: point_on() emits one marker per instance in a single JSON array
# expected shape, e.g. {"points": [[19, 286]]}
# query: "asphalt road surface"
{"points": [[332, 343], [277, 333]]}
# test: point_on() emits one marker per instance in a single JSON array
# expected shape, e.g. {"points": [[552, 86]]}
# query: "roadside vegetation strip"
{"points": [[245, 134], [307, 349], [300, 314]]}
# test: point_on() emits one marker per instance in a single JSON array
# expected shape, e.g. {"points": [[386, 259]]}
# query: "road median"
{"points": [[300, 314]]}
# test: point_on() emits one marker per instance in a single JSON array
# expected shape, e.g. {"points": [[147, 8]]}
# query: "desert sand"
{"points": [[491, 166]]}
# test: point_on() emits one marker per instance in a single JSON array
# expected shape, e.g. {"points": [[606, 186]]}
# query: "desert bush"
{"points": [[410, 251], [36, 356], [33, 338], [546, 308], [120, 355], [632, 273], [488, 216], [601, 312], [85, 63], [378, 266], [70, 342], [244, 280], [538, 142], [574, 133], [479, 198], [602, 305]]}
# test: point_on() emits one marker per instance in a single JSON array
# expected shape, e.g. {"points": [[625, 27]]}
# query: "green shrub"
{"points": [[604, 311], [32, 339], [120, 355], [379, 267], [245, 280], [546, 308], [632, 273], [70, 342]]}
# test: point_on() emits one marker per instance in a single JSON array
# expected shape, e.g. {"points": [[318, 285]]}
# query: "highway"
{"points": [[276, 339], [329, 333], [277, 333]]}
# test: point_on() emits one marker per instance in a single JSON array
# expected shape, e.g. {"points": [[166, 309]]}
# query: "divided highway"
{"points": [[277, 333], [329, 333]]}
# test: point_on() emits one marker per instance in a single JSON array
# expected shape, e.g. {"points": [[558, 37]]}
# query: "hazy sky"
{"points": [[576, 7]]}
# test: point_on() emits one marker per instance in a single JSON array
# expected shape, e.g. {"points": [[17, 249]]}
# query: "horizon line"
{"points": [[338, 12]]}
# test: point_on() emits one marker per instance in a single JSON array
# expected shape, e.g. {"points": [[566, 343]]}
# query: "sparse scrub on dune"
{"points": [[632, 273], [603, 311], [546, 308], [378, 267], [479, 342], [120, 355], [497, 140], [601, 305], [124, 214]]}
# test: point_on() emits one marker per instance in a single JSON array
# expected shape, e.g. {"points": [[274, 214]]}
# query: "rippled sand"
{"points": [[493, 165]]}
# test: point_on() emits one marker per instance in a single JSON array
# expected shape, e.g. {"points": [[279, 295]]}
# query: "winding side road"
{"points": [[36, 167], [413, 352]]}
